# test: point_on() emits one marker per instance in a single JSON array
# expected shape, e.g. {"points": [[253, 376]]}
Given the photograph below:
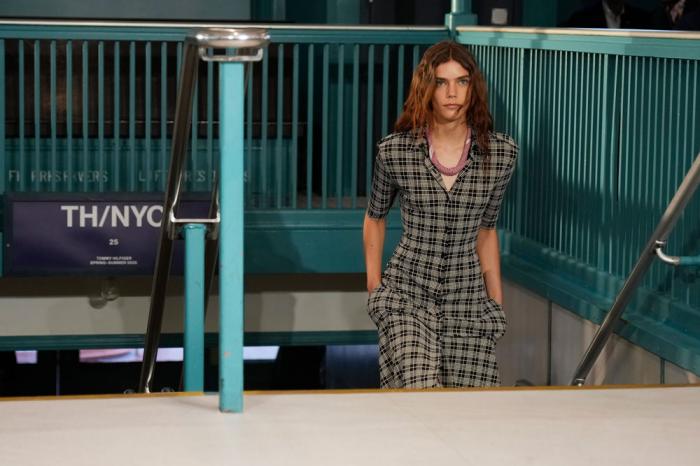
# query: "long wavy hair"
{"points": [[418, 109]]}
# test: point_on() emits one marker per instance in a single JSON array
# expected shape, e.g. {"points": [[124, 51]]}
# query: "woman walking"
{"points": [[437, 306]]}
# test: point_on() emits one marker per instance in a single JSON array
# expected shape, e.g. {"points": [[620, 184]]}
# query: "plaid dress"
{"points": [[437, 326]]}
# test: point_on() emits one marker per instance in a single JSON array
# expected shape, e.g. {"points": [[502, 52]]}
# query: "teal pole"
{"points": [[460, 15], [231, 238], [194, 307]]}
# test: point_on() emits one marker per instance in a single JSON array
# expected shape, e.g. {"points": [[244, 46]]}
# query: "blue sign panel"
{"points": [[111, 234]]}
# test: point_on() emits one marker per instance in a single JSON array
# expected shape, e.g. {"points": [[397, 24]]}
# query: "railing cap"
{"points": [[249, 38]]}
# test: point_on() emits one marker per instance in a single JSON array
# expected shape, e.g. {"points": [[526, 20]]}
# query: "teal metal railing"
{"points": [[90, 109], [608, 124]]}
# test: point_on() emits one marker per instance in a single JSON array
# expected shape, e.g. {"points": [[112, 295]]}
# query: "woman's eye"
{"points": [[439, 83], [464, 81]]}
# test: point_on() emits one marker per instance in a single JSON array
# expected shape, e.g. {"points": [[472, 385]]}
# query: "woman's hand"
{"points": [[373, 283]]}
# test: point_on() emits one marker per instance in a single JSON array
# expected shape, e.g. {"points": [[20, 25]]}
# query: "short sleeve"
{"points": [[488, 220], [383, 189]]}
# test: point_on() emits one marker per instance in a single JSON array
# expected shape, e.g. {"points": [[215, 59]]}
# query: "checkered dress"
{"points": [[437, 326]]}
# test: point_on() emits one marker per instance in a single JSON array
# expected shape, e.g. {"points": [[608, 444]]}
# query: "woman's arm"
{"points": [[373, 232], [489, 257]]}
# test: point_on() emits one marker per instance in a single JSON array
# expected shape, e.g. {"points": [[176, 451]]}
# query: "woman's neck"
{"points": [[451, 131]]}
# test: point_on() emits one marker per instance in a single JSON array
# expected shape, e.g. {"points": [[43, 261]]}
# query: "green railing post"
{"points": [[231, 171], [194, 307], [460, 15]]}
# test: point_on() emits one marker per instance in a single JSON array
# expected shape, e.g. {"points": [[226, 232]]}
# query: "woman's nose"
{"points": [[451, 90]]}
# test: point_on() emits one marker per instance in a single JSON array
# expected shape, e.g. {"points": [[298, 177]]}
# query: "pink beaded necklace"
{"points": [[450, 171]]}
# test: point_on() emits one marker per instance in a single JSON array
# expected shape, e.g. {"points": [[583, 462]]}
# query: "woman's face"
{"points": [[452, 92]]}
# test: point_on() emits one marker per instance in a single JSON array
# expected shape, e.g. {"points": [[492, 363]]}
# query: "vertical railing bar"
{"points": [[68, 156], [416, 56], [263, 158], [132, 118], [85, 160], [101, 167], [586, 155], [163, 159], [369, 150], [21, 91], [576, 169], [249, 179], [339, 128], [210, 168], [116, 157], [295, 123], [279, 126], [309, 126], [53, 166], [355, 115], [519, 227], [147, 164], [324, 132], [557, 141], [385, 91], [192, 162], [634, 103], [400, 79], [36, 163]]}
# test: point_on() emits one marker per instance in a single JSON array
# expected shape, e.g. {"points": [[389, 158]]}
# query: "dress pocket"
{"points": [[494, 319]]}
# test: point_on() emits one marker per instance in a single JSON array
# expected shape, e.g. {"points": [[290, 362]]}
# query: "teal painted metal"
{"points": [[553, 40], [250, 77], [53, 165], [194, 307], [385, 91], [147, 162], [293, 175], [339, 128], [20, 122], [308, 34], [131, 121], [67, 160], [231, 238], [400, 78], [324, 131], [264, 163], [369, 152], [131, 161], [355, 123], [116, 166], [689, 260], [85, 161], [603, 147], [101, 162], [36, 159], [208, 186], [278, 160], [309, 126], [164, 154]]}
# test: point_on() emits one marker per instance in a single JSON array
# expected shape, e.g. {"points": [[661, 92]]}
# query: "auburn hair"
{"points": [[418, 109]]}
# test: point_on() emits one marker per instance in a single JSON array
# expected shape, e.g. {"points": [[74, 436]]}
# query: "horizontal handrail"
{"points": [[206, 25], [651, 33]]}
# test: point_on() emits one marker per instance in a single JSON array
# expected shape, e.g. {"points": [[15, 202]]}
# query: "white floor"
{"points": [[635, 426]]}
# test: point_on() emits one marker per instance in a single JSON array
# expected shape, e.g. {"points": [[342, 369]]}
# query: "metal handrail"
{"points": [[206, 25], [651, 250], [249, 39]]}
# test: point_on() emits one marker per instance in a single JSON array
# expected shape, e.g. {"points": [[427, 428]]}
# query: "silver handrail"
{"points": [[252, 40], [651, 250]]}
